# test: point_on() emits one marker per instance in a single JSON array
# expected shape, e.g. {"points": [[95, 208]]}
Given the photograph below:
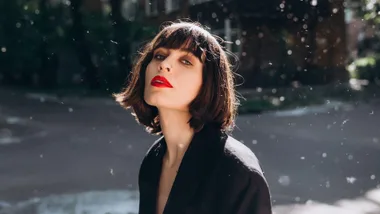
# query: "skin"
{"points": [[184, 72]]}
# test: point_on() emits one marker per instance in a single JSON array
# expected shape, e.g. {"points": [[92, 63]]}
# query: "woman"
{"points": [[182, 87]]}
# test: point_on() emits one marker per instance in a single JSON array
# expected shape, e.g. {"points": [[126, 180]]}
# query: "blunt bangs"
{"points": [[188, 38]]}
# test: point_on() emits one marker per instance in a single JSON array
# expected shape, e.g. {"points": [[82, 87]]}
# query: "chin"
{"points": [[162, 101], [149, 101], [163, 104], [154, 100]]}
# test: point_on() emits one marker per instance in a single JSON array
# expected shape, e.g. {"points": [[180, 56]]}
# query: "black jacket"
{"points": [[217, 175]]}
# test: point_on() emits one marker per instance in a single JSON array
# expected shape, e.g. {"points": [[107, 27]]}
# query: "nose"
{"points": [[164, 66]]}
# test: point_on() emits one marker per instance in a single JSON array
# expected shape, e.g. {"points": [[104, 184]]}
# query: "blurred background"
{"points": [[308, 74]]}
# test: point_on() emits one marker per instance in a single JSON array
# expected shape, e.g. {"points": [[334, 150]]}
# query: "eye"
{"points": [[159, 56], [186, 62]]}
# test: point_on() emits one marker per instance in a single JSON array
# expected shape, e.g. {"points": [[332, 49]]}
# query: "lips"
{"points": [[161, 82]]}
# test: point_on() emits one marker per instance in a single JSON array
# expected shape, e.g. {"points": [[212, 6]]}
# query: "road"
{"points": [[81, 155]]}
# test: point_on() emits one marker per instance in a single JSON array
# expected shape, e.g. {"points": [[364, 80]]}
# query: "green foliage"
{"points": [[365, 68], [369, 10]]}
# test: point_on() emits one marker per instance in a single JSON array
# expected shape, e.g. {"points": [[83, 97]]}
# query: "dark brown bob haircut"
{"points": [[216, 103]]}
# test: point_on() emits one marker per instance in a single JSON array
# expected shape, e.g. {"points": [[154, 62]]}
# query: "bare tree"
{"points": [[49, 60], [120, 26], [90, 71]]}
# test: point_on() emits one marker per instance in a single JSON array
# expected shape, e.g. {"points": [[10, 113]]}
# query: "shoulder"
{"points": [[242, 180], [240, 157], [241, 166]]}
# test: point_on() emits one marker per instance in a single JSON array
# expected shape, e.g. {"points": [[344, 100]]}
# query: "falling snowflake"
{"points": [[71, 109], [345, 121], [327, 184], [373, 177], [284, 180], [351, 180], [3, 49]]}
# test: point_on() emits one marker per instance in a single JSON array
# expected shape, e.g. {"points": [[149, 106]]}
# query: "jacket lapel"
{"points": [[198, 160], [149, 177]]}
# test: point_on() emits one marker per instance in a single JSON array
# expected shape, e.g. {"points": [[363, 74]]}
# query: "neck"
{"points": [[177, 133]]}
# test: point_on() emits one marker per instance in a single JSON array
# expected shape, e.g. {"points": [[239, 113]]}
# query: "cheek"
{"points": [[191, 84]]}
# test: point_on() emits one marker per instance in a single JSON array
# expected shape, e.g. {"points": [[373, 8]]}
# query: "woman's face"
{"points": [[173, 79]]}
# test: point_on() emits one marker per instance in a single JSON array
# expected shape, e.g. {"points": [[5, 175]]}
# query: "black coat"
{"points": [[217, 175]]}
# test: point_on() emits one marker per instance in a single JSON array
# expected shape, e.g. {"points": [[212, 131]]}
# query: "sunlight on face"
{"points": [[173, 79]]}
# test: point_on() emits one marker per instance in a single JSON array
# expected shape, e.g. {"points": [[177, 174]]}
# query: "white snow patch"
{"points": [[324, 108], [94, 202], [9, 140], [42, 97]]}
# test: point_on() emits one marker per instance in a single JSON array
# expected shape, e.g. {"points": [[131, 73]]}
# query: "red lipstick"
{"points": [[161, 82]]}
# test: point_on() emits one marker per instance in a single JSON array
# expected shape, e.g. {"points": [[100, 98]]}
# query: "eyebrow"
{"points": [[186, 50]]}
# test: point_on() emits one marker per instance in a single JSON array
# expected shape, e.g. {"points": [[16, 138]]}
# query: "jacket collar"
{"points": [[204, 150]]}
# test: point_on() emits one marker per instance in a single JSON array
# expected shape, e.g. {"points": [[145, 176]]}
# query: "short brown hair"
{"points": [[216, 102]]}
